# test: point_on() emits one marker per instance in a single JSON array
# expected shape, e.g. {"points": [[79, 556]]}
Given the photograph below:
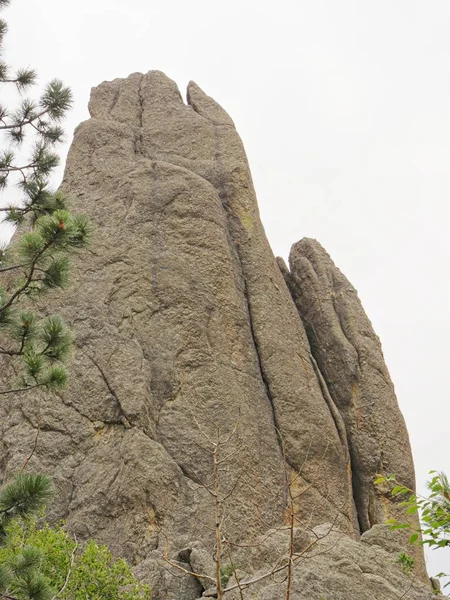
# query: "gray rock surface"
{"points": [[185, 332], [349, 356], [336, 568]]}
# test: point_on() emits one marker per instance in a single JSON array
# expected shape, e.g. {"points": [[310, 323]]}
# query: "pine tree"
{"points": [[35, 562], [39, 260], [41, 118], [21, 576]]}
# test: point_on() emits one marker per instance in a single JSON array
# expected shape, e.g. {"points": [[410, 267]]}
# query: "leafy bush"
{"points": [[434, 511], [64, 568]]}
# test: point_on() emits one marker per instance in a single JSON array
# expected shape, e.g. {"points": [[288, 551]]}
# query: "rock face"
{"points": [[349, 356], [188, 340], [339, 568]]}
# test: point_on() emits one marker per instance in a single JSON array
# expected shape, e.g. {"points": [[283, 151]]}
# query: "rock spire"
{"points": [[187, 327]]}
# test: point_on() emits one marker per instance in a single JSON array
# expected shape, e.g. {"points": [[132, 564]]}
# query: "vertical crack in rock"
{"points": [[340, 426], [121, 413], [337, 418], [261, 371]]}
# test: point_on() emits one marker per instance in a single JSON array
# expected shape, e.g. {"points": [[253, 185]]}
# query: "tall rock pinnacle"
{"points": [[185, 328], [349, 356]]}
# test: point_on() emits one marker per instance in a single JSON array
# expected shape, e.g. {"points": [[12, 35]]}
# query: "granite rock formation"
{"points": [[350, 359], [340, 569], [187, 328]]}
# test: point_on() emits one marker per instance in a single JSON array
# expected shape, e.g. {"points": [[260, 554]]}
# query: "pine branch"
{"points": [[6, 269], [29, 279], [19, 124], [12, 169], [18, 390], [39, 200], [24, 77], [25, 494], [33, 450], [10, 352]]}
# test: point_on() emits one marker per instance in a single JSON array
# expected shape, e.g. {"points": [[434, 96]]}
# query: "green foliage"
{"points": [[38, 200], [99, 577], [22, 578], [72, 572], [21, 574], [40, 117], [434, 510], [41, 345], [26, 494], [38, 262], [225, 573], [38, 562], [406, 561]]}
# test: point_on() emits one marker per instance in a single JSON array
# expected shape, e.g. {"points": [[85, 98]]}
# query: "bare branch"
{"points": [[69, 571], [24, 389]]}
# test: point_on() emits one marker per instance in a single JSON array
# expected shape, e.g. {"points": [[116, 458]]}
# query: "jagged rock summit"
{"points": [[188, 330]]}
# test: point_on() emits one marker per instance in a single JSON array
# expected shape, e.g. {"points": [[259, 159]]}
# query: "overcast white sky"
{"points": [[343, 107]]}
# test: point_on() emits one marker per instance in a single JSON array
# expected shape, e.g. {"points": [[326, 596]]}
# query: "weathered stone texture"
{"points": [[349, 356], [185, 329], [336, 568]]}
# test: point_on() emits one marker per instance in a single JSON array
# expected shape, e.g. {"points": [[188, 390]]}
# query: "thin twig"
{"points": [[21, 124], [69, 571], [25, 389], [241, 592], [27, 460]]}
